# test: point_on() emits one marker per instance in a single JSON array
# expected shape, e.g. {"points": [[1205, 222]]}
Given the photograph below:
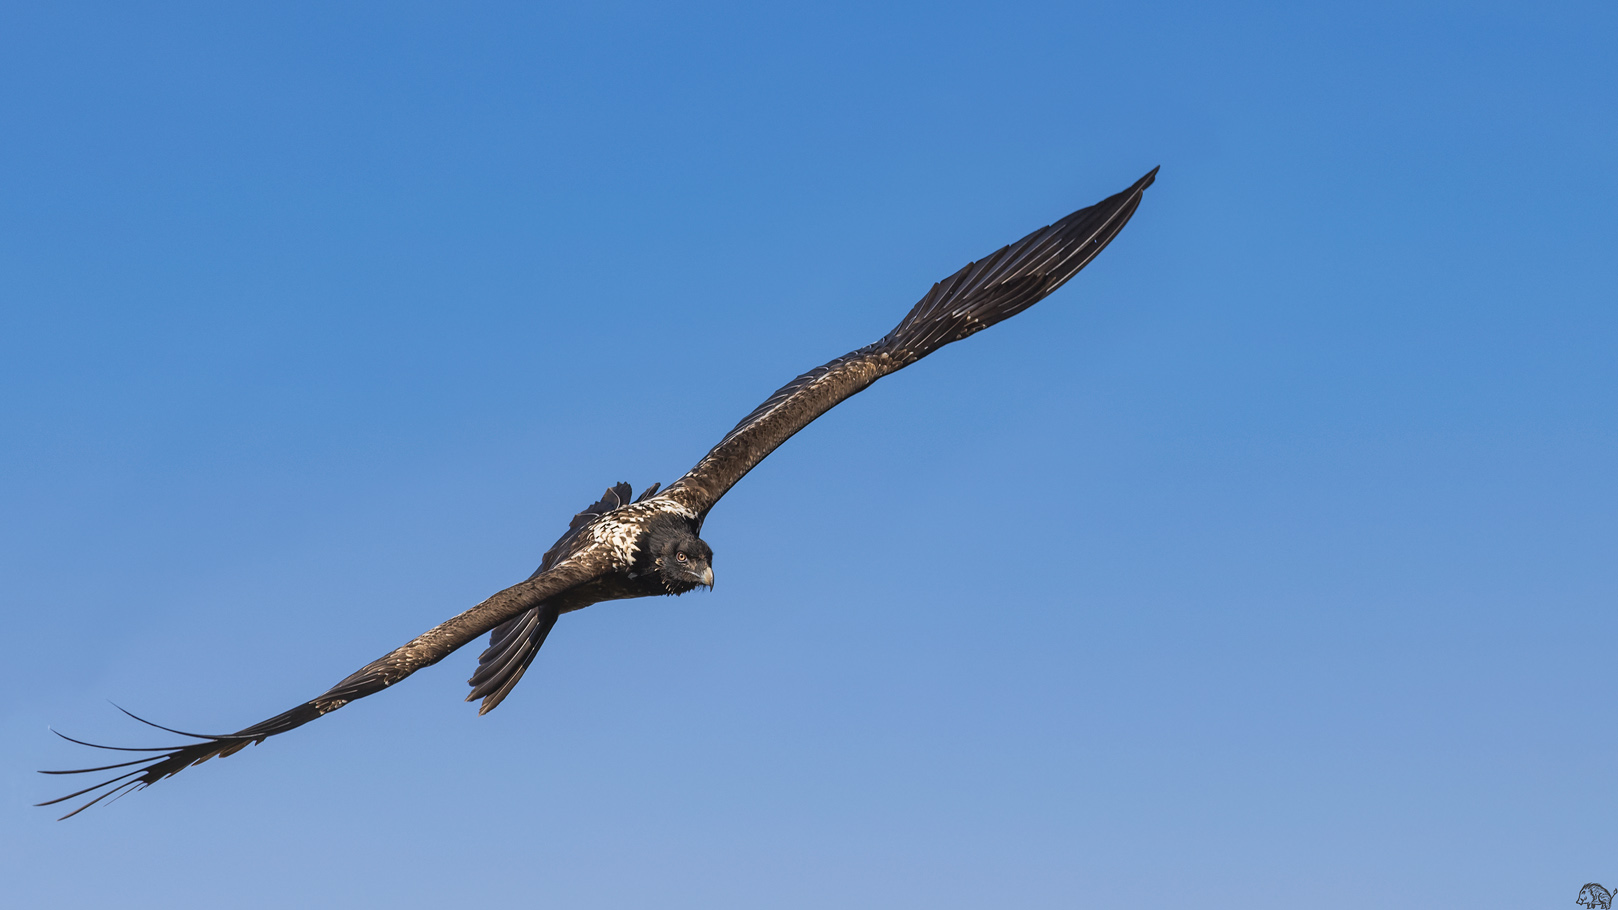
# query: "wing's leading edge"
{"points": [[422, 651], [982, 293]]}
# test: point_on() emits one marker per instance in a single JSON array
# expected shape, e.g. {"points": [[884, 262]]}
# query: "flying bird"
{"points": [[638, 546]]}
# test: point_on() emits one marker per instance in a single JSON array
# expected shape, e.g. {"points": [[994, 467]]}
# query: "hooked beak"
{"points": [[707, 576]]}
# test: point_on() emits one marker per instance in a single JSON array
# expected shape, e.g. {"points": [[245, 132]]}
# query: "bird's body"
{"points": [[643, 538], [620, 548]]}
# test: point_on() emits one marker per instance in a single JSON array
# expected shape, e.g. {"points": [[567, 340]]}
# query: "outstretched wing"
{"points": [[422, 651], [514, 644], [994, 288]]}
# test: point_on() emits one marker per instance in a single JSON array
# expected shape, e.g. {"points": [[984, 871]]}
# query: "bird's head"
{"points": [[682, 559]]}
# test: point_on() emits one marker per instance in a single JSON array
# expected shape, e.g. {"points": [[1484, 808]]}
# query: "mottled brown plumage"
{"points": [[618, 549]]}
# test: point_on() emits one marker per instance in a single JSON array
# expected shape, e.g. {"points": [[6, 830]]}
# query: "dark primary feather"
{"points": [[982, 293], [422, 651], [575, 573]]}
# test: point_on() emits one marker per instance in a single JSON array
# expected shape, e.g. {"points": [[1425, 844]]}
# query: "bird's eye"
{"points": [[680, 556]]}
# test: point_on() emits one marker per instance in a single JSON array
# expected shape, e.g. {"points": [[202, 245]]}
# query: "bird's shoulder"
{"points": [[620, 531], [607, 535]]}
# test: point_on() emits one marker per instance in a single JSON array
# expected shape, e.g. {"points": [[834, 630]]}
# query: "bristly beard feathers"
{"points": [[669, 536]]}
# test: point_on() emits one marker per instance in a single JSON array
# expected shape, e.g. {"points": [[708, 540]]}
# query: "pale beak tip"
{"points": [[707, 576]]}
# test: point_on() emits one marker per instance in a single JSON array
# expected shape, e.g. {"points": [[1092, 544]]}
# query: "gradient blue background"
{"points": [[1271, 563]]}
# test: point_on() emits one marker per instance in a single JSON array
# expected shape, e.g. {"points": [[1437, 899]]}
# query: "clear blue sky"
{"points": [[1270, 563]]}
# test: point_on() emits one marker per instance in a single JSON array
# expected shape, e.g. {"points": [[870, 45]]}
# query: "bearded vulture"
{"points": [[638, 546]]}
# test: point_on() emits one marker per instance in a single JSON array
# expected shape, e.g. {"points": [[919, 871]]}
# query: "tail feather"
{"points": [[513, 648], [513, 645]]}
